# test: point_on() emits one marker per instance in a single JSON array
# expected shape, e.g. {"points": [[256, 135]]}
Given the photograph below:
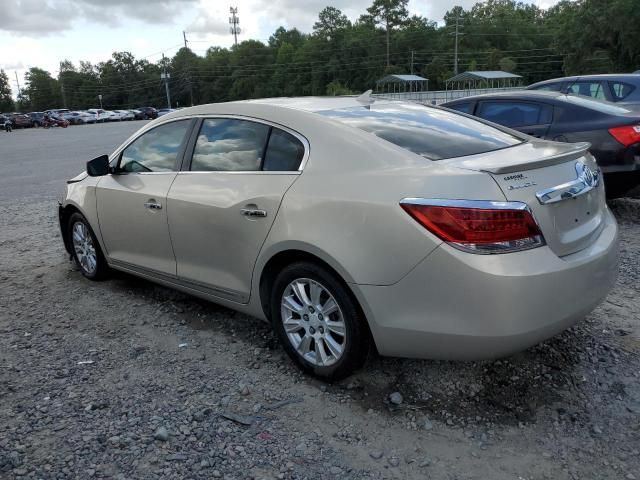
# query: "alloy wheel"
{"points": [[313, 322], [84, 248]]}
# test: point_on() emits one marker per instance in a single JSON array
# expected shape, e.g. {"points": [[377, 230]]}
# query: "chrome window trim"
{"points": [[299, 136]]}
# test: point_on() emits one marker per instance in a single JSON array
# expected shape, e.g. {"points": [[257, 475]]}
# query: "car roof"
{"points": [[305, 104], [599, 76], [518, 94]]}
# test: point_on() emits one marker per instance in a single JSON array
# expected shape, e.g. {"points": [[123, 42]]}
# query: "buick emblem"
{"points": [[588, 176]]}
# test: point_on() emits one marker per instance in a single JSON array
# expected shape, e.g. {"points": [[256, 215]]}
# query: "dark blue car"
{"points": [[613, 130]]}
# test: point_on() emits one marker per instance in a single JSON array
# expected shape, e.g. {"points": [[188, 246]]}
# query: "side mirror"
{"points": [[99, 166]]}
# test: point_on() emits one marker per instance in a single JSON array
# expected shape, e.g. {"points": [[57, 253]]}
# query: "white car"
{"points": [[124, 114], [79, 117], [350, 224], [101, 115]]}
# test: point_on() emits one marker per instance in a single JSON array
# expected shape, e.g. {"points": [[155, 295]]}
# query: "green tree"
{"points": [[41, 91], [6, 101], [330, 21], [389, 14]]}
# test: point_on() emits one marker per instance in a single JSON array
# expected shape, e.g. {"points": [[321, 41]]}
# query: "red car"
{"points": [[20, 120], [53, 121]]}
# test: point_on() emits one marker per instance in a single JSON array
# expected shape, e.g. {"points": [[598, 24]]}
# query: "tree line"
{"points": [[342, 57]]}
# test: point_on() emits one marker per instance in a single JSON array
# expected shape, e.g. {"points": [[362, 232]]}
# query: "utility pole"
{"points": [[64, 97], [165, 76], [184, 35], [17, 83], [234, 21], [455, 54], [411, 62]]}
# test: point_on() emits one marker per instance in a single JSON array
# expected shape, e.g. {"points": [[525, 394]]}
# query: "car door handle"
{"points": [[253, 212], [153, 205]]}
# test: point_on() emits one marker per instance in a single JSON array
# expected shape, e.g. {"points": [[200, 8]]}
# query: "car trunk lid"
{"points": [[559, 182]]}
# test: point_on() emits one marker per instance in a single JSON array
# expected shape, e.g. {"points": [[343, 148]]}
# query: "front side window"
{"points": [[156, 150], [229, 145], [588, 89], [515, 114], [621, 90]]}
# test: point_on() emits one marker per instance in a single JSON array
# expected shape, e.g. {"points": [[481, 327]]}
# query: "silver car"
{"points": [[354, 226]]}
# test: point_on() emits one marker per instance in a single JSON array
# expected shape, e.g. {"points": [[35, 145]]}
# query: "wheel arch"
{"points": [[284, 257], [64, 214]]}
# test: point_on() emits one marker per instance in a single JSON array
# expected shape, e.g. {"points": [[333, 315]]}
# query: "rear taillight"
{"points": [[477, 226], [626, 135]]}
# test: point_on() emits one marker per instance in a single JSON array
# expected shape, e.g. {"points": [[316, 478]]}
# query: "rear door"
{"points": [[532, 118], [132, 202], [222, 205]]}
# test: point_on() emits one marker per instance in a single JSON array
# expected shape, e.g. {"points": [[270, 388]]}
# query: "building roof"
{"points": [[480, 75], [401, 79]]}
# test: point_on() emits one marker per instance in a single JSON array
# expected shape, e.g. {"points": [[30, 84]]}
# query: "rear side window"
{"points": [[461, 107], [549, 87], [229, 145], [284, 152], [433, 133], [588, 89], [621, 90], [516, 114], [156, 150]]}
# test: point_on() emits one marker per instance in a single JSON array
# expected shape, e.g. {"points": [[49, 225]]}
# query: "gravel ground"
{"points": [[125, 379]]}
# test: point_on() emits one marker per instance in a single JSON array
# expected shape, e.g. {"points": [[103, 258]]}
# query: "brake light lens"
{"points": [[626, 135], [477, 226]]}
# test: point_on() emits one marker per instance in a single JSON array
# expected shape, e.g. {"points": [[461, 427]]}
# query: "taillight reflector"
{"points": [[489, 227], [626, 135]]}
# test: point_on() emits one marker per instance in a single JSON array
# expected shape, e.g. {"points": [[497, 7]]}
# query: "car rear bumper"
{"points": [[459, 306]]}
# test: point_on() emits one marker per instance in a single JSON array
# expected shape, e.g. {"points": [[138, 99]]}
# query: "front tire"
{"points": [[86, 249], [318, 322]]}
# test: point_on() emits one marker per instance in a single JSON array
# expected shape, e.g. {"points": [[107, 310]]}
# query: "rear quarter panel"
{"points": [[345, 206]]}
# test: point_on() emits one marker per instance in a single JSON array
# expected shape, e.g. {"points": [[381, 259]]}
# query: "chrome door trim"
{"points": [[203, 288], [586, 181]]}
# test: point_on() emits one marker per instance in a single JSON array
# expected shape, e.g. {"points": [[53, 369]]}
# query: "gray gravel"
{"points": [[94, 382]]}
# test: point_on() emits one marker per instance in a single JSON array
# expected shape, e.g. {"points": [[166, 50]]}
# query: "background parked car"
{"points": [[5, 123], [614, 87], [19, 120], [148, 113], [79, 118], [37, 118], [124, 115], [137, 114], [101, 115], [612, 129], [164, 111]]}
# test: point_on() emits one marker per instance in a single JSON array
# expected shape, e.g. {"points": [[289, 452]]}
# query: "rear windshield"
{"points": [[431, 132]]}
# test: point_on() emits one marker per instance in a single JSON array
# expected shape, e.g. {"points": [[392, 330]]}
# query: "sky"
{"points": [[44, 32]]}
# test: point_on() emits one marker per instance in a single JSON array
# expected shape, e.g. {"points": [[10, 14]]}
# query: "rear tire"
{"points": [[86, 250], [318, 322]]}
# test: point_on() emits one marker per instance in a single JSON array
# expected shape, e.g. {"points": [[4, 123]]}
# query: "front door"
{"points": [[221, 210], [131, 203]]}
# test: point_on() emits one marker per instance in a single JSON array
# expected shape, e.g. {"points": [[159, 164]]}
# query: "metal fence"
{"points": [[437, 97]]}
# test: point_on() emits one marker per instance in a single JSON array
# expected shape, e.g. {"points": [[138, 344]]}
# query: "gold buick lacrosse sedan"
{"points": [[352, 224]]}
